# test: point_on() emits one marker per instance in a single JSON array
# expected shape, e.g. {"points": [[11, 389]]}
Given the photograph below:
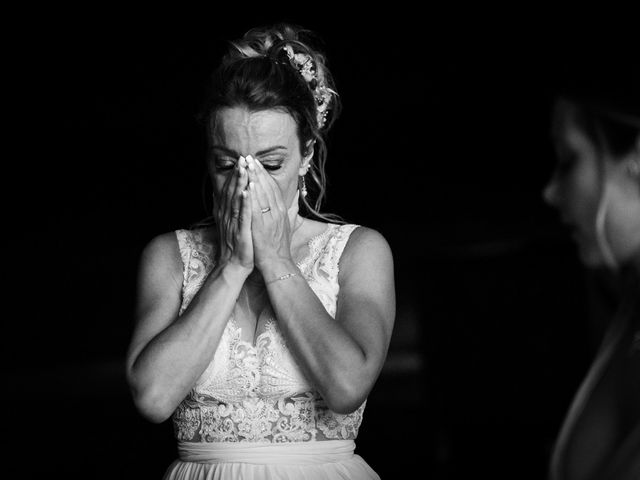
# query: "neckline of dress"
{"points": [[311, 244]]}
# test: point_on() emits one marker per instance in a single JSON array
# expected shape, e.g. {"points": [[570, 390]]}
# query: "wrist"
{"points": [[234, 272], [276, 267]]}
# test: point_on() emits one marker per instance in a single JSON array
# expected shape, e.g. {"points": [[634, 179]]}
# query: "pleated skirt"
{"points": [[322, 460]]}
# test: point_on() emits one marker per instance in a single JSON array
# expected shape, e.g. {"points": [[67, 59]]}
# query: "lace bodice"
{"points": [[256, 392]]}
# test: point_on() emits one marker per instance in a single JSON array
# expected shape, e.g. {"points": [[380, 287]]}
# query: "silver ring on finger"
{"points": [[265, 209]]}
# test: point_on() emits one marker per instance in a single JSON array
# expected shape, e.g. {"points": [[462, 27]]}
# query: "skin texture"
{"points": [[586, 179], [271, 137], [255, 161]]}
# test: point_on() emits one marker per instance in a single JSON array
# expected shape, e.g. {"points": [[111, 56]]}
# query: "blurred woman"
{"points": [[596, 189]]}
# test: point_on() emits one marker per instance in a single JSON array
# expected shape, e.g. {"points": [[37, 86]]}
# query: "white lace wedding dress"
{"points": [[253, 414]]}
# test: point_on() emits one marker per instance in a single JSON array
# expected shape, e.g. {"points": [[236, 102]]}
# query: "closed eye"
{"points": [[272, 162], [272, 167], [223, 163], [224, 166]]}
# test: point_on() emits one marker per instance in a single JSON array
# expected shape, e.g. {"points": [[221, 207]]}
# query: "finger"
{"points": [[237, 198], [258, 190], [226, 222], [264, 182], [256, 209], [245, 213], [270, 187], [232, 188], [226, 213], [240, 185], [244, 179], [252, 169]]}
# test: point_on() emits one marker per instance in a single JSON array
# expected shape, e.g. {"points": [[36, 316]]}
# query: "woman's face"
{"points": [[583, 178], [270, 136], [574, 188]]}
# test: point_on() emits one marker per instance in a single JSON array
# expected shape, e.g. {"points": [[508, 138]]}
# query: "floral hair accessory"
{"points": [[303, 62]]}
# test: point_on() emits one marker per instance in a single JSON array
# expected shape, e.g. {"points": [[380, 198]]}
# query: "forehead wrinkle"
{"points": [[239, 128]]}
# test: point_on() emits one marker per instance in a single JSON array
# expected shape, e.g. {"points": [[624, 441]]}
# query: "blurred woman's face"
{"points": [[574, 188], [270, 136], [586, 180]]}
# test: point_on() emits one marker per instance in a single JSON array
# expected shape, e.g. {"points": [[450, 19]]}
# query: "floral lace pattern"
{"points": [[257, 393]]}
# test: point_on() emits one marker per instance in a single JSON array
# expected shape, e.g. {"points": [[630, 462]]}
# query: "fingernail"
{"points": [[251, 185]]}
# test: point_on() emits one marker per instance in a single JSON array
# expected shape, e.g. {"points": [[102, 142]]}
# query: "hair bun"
{"points": [[296, 47]]}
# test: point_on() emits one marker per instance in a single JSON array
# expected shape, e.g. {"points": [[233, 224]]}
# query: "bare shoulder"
{"points": [[367, 241], [159, 287], [162, 247], [366, 279], [366, 248], [161, 256]]}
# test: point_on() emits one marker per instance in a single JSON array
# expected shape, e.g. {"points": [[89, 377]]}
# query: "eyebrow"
{"points": [[233, 153]]}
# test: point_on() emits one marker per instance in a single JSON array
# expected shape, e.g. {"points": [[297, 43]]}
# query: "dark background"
{"points": [[442, 147]]}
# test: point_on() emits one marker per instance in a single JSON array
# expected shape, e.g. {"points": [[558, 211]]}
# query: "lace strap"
{"points": [[197, 256], [185, 244], [335, 246]]}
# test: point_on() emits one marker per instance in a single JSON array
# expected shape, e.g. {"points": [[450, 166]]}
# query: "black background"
{"points": [[442, 147]]}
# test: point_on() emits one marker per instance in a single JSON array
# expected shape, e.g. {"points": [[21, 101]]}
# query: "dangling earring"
{"points": [[303, 188]]}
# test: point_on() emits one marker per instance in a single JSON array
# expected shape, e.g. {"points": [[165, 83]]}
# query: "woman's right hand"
{"points": [[233, 219]]}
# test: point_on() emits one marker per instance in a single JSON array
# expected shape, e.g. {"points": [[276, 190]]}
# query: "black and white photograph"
{"points": [[316, 243]]}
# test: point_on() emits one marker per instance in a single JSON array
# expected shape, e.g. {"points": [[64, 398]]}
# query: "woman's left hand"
{"points": [[270, 218]]}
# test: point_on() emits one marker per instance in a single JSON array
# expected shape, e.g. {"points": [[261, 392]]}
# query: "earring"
{"points": [[634, 168], [303, 188]]}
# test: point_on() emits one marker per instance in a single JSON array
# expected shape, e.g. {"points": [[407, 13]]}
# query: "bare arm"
{"points": [[342, 357], [167, 353]]}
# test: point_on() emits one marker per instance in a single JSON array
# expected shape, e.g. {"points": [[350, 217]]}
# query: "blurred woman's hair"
{"points": [[611, 130], [604, 97]]}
